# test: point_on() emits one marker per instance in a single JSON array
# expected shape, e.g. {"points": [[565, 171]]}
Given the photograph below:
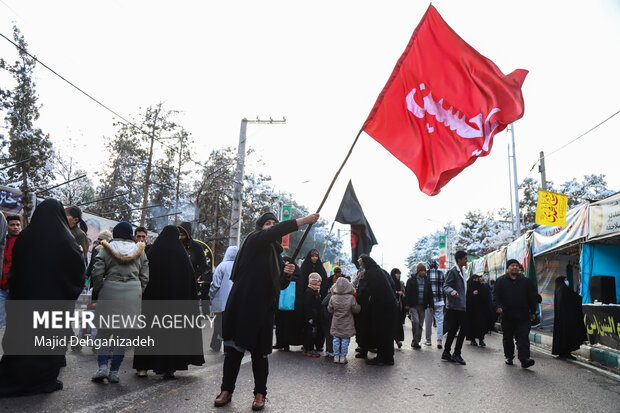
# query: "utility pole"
{"points": [[543, 172], [147, 178], [512, 212], [182, 139], [217, 221], [514, 164], [235, 216]]}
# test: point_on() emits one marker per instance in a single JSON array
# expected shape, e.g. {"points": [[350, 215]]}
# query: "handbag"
{"points": [[287, 298]]}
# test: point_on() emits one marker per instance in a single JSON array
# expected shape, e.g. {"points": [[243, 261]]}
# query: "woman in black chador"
{"points": [[290, 324], [383, 313], [171, 277], [569, 331], [258, 276], [399, 291], [480, 314], [311, 264], [47, 265]]}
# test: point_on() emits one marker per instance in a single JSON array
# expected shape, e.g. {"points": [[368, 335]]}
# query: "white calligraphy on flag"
{"points": [[454, 121]]}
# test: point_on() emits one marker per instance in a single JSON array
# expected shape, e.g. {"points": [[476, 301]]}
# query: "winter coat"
{"points": [[120, 260], [455, 282], [91, 263], [412, 294], [343, 305], [516, 298], [82, 240], [221, 284], [312, 307]]}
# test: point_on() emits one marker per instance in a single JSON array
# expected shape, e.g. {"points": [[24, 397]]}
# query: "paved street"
{"points": [[419, 380]]}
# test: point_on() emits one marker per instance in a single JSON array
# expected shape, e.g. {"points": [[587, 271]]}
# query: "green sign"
{"points": [[286, 212]]}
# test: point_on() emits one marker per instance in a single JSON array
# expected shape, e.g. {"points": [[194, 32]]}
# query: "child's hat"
{"points": [[314, 277]]}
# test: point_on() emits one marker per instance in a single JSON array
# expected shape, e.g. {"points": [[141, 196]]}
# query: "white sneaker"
{"points": [[343, 360], [336, 359]]}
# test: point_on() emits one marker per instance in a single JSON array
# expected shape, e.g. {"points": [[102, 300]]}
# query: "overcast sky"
{"points": [[322, 65]]}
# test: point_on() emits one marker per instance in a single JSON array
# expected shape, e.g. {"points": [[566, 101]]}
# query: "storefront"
{"points": [[556, 252], [600, 268]]}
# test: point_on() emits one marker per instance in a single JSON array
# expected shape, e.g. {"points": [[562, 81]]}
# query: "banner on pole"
{"points": [[286, 215], [551, 209], [546, 238], [350, 212], [442, 252]]}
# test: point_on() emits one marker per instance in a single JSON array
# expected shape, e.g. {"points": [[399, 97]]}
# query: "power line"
{"points": [[578, 137], [91, 97]]}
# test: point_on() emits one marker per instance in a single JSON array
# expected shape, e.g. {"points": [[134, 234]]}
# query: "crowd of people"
{"points": [[250, 291], [123, 271]]}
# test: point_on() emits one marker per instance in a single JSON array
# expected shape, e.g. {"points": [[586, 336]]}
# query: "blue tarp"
{"points": [[598, 259]]}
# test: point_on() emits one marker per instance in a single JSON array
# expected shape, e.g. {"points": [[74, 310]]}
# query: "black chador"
{"points": [[171, 278], [308, 267], [382, 309], [569, 331], [480, 314], [258, 278], [290, 324], [47, 265]]}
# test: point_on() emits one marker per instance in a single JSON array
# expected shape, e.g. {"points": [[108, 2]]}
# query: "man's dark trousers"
{"points": [[516, 330], [455, 321]]}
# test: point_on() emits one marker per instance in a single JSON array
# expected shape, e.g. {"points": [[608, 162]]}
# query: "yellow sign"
{"points": [[551, 209]]}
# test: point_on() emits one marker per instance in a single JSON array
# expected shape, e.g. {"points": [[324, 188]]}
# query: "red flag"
{"points": [[443, 104]]}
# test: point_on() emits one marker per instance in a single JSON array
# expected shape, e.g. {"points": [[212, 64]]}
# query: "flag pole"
{"points": [[327, 241], [303, 238]]}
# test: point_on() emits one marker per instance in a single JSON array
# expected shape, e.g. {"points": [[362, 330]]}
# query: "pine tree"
{"points": [[473, 232], [592, 188], [120, 190], [26, 142]]}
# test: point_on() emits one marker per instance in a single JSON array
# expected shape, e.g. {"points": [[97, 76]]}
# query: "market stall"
{"points": [[556, 252], [600, 268]]}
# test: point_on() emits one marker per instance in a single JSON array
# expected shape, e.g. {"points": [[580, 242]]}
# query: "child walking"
{"points": [[342, 305]]}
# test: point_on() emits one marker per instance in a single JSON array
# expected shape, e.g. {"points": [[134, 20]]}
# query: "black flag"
{"points": [[350, 212]]}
